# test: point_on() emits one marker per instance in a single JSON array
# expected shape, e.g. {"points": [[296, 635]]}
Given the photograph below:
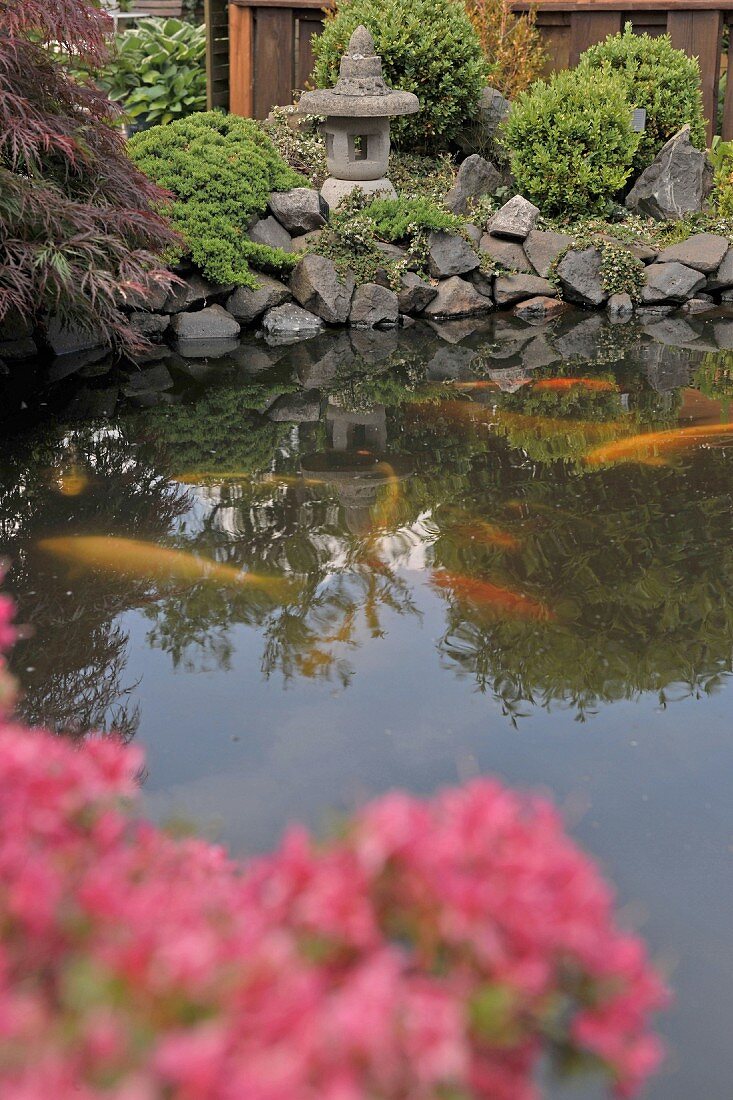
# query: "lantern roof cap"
{"points": [[360, 91]]}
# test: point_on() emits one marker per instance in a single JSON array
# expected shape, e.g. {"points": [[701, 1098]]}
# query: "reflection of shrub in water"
{"points": [[73, 676]]}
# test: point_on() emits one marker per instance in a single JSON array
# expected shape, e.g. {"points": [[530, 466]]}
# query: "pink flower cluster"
{"points": [[434, 948]]}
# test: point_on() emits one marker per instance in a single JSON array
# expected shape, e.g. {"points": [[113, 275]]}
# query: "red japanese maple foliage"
{"points": [[78, 223]]}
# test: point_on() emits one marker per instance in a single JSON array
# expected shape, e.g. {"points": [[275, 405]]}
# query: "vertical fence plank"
{"points": [[589, 27], [240, 61], [217, 62], [274, 63], [698, 33]]}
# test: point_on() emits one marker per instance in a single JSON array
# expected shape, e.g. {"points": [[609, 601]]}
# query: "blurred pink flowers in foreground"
{"points": [[435, 949]]}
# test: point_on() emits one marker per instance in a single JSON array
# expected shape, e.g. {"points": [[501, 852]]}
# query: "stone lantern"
{"points": [[357, 113]]}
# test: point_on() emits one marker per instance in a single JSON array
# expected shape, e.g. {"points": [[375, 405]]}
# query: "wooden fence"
{"points": [[260, 50]]}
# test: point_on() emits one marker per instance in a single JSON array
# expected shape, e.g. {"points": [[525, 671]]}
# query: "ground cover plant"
{"points": [[434, 948], [78, 222], [663, 80], [355, 230], [428, 47], [570, 142], [220, 170]]}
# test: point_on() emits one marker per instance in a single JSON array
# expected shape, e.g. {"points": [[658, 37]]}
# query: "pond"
{"points": [[460, 567]]}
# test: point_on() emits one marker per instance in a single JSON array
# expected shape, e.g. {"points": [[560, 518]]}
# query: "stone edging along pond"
{"points": [[512, 265]]}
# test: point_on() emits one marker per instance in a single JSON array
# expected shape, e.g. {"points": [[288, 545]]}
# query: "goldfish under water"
{"points": [[651, 447], [593, 385], [71, 481], [491, 597], [486, 533], [147, 561], [386, 513]]}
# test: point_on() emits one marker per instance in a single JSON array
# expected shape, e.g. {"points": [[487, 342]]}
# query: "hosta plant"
{"points": [[79, 224], [434, 949], [157, 72]]}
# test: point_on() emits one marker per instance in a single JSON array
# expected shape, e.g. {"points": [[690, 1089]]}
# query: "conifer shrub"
{"points": [[663, 80], [428, 47], [570, 142], [220, 170]]}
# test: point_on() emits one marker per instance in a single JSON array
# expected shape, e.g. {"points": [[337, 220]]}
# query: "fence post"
{"points": [[241, 95]]}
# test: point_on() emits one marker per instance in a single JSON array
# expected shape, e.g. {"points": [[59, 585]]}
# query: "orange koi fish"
{"points": [[484, 384], [487, 533], [594, 385], [146, 561], [490, 597], [386, 513], [72, 481], [650, 447]]}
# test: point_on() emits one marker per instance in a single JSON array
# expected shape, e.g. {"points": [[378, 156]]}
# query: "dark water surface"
{"points": [[471, 595]]}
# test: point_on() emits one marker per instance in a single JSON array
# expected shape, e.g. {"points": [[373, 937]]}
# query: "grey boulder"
{"points": [[414, 294], [509, 289], [300, 210], [676, 183], [449, 254], [579, 272], [373, 305], [193, 291], [620, 308], [540, 310], [150, 325], [211, 323], [247, 305], [703, 251], [507, 254], [722, 279], [543, 246], [671, 282], [289, 323], [302, 408], [269, 231], [457, 297], [318, 287], [476, 177], [67, 339], [515, 219]]}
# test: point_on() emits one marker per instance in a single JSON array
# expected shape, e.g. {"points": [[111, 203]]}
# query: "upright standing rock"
{"points": [[676, 183], [476, 177], [318, 287]]}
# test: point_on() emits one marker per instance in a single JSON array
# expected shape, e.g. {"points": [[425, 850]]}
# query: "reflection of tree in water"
{"points": [[270, 520], [635, 562], [82, 480]]}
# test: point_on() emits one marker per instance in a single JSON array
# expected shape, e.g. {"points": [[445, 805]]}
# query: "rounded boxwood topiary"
{"points": [[428, 47], [570, 142], [663, 80], [221, 170]]}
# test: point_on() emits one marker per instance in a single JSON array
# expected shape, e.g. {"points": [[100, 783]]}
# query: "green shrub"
{"points": [[659, 78], [221, 169], [427, 47], [158, 70], [400, 219], [570, 142]]}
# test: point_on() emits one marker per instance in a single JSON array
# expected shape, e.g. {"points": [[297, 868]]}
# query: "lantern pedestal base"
{"points": [[335, 191]]}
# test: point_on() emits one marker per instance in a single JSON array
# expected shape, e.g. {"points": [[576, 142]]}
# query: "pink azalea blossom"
{"points": [[436, 947]]}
